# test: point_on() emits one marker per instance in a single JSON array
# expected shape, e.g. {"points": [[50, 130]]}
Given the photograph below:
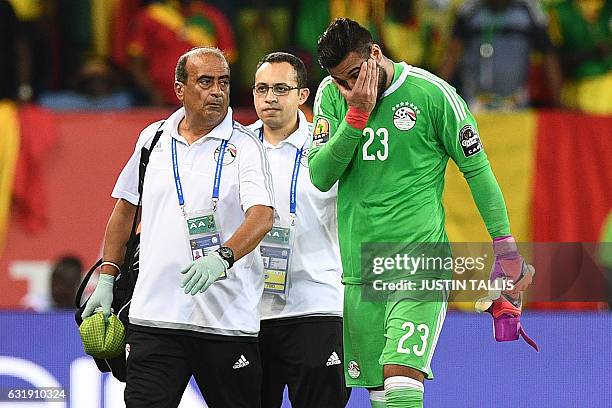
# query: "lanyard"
{"points": [[493, 25], [217, 182], [294, 178]]}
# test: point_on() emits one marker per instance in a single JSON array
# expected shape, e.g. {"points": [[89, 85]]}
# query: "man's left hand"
{"points": [[202, 273], [506, 305]]}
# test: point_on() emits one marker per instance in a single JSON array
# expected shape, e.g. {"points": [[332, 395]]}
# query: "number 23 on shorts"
{"points": [[408, 345]]}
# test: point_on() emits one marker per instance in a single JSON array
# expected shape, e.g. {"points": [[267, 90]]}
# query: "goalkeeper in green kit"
{"points": [[385, 132]]}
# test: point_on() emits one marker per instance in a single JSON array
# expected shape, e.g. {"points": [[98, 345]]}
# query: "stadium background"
{"points": [[554, 166]]}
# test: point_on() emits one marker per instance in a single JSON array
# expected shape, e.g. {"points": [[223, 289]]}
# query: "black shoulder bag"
{"points": [[123, 287]]}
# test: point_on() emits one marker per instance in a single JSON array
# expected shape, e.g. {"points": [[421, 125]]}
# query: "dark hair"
{"points": [[295, 62], [342, 37], [180, 73]]}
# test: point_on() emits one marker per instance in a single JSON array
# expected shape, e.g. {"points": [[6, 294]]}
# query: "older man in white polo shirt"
{"points": [[301, 328], [207, 202]]}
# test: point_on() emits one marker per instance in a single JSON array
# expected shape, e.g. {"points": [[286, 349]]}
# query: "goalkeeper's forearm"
{"points": [[328, 163], [489, 200], [117, 235]]}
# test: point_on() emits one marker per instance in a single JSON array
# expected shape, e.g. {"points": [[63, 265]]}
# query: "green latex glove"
{"points": [[101, 297], [203, 273]]}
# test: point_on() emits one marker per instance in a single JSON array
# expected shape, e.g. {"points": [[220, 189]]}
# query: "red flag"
{"points": [[38, 135]]}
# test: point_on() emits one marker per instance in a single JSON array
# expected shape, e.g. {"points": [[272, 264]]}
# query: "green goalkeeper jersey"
{"points": [[390, 190]]}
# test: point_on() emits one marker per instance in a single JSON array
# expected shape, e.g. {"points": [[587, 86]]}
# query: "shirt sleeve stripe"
{"points": [[414, 74], [450, 90], [317, 102], [452, 104], [265, 166], [451, 95]]}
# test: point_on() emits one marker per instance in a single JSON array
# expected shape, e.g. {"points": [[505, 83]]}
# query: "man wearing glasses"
{"points": [[301, 328]]}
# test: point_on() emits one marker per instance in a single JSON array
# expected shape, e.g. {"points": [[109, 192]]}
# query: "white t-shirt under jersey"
{"points": [[315, 286]]}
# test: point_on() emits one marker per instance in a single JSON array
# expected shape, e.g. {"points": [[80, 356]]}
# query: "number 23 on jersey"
{"points": [[376, 146]]}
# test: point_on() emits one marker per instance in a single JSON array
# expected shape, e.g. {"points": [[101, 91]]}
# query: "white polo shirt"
{"points": [[315, 286], [230, 306]]}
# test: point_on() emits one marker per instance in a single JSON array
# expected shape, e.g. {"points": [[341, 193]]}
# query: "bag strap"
{"points": [[144, 159], [132, 241], [84, 282], [145, 154]]}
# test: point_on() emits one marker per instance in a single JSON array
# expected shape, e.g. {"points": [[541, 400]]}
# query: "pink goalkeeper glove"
{"points": [[505, 305]]}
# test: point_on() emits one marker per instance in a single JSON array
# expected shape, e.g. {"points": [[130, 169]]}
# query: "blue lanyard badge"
{"points": [[217, 181], [294, 178]]}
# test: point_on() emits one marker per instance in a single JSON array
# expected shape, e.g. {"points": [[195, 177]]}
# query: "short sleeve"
{"points": [[255, 176], [126, 186]]}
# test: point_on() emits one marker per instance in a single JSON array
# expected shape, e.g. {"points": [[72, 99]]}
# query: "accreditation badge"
{"points": [[276, 250], [203, 236]]}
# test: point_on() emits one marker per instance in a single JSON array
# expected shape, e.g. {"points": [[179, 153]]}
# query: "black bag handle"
{"points": [[132, 241], [84, 282]]}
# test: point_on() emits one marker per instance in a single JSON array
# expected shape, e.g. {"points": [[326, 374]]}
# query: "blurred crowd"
{"points": [[115, 54]]}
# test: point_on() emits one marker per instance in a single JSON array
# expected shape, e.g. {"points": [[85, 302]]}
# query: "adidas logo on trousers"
{"points": [[333, 360], [242, 362]]}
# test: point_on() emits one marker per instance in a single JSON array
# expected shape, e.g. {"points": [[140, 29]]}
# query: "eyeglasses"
{"points": [[277, 89]]}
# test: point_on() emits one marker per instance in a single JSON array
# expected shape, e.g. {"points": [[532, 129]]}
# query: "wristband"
{"points": [[357, 118], [505, 245], [111, 264]]}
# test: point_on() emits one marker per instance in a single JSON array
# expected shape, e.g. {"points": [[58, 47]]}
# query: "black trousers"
{"points": [[160, 364], [305, 354]]}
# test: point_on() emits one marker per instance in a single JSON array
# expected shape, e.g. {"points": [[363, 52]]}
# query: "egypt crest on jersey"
{"points": [[405, 115]]}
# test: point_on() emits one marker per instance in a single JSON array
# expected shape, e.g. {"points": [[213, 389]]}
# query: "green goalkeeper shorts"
{"points": [[403, 332]]}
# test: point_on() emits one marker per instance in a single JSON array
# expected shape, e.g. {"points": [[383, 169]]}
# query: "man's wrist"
{"points": [[504, 245], [106, 279], [227, 255], [357, 118]]}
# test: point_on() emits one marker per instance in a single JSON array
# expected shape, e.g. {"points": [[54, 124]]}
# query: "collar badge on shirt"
{"points": [[405, 115], [229, 156]]}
